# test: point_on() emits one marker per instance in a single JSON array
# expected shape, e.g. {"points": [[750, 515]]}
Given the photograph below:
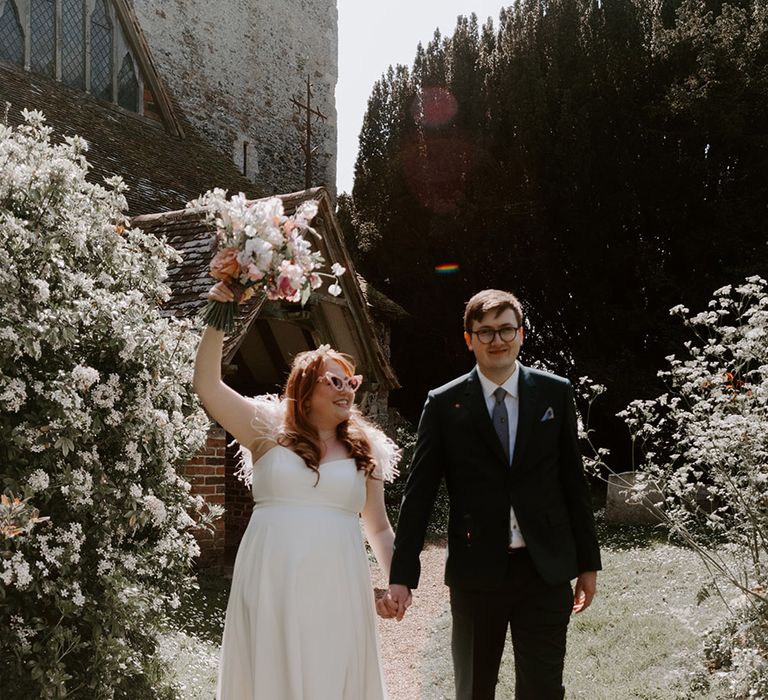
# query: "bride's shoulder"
{"points": [[267, 420]]}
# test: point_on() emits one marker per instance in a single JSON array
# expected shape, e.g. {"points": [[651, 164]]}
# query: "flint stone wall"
{"points": [[234, 65]]}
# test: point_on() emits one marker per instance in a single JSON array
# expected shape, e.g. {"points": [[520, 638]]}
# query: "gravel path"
{"points": [[402, 642]]}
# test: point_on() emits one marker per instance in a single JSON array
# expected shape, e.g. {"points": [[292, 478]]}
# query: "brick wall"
{"points": [[206, 472]]}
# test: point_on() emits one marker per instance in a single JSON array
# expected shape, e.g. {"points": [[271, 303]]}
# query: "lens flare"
{"points": [[434, 107], [446, 269]]}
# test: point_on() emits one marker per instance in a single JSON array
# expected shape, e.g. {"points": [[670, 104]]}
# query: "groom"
{"points": [[504, 438]]}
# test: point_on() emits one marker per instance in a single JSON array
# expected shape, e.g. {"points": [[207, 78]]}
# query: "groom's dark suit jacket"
{"points": [[545, 484]]}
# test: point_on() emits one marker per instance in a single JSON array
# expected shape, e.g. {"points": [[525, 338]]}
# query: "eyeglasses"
{"points": [[339, 383], [506, 333]]}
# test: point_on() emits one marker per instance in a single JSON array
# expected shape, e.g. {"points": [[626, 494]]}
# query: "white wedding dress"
{"points": [[301, 621]]}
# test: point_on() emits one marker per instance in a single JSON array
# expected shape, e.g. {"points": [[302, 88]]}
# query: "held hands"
{"points": [[586, 586], [393, 602], [382, 609]]}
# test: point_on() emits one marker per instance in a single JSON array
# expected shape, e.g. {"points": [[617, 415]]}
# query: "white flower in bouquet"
{"points": [[259, 248], [290, 281], [256, 257]]}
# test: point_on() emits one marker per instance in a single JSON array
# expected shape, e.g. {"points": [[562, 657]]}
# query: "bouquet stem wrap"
{"points": [[221, 315]]}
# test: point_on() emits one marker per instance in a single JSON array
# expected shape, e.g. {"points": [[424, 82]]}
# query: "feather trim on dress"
{"points": [[385, 452], [268, 417]]}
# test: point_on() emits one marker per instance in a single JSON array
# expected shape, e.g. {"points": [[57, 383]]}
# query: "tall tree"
{"points": [[604, 160]]}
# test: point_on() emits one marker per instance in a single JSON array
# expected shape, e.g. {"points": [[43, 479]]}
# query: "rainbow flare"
{"points": [[447, 269]]}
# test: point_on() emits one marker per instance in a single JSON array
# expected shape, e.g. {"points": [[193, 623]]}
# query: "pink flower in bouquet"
{"points": [[288, 226], [290, 281], [224, 265]]}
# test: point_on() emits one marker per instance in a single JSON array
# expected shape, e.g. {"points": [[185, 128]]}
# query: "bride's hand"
{"points": [[220, 292]]}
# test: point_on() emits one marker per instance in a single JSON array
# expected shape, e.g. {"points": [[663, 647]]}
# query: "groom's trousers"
{"points": [[537, 615]]}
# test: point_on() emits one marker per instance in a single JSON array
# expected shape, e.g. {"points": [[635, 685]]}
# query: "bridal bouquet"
{"points": [[261, 249]]}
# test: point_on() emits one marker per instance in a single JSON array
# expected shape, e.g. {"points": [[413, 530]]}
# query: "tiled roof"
{"points": [[191, 236], [162, 171]]}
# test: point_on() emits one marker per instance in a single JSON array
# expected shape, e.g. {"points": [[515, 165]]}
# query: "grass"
{"points": [[191, 641], [640, 640]]}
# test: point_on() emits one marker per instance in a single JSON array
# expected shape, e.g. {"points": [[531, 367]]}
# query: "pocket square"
{"points": [[549, 414]]}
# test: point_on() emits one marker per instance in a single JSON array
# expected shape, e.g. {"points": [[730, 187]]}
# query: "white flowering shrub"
{"points": [[737, 653], [96, 409], [704, 446], [705, 442]]}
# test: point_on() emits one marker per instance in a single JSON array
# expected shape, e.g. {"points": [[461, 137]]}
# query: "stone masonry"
{"points": [[234, 66]]}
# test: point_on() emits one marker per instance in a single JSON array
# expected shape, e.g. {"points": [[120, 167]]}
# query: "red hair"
{"points": [[299, 434]]}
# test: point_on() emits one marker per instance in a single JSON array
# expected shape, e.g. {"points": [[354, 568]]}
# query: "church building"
{"points": [[181, 96]]}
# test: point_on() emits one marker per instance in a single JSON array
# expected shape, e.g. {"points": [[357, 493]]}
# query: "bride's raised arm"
{"points": [[230, 410]]}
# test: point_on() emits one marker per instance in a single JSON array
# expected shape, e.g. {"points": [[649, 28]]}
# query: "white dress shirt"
{"points": [[511, 401]]}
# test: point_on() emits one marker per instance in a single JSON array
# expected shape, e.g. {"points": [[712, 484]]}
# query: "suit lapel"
{"points": [[475, 402], [525, 413]]}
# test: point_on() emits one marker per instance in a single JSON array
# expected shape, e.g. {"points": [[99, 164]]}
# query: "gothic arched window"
{"points": [[79, 42], [127, 85], [11, 36]]}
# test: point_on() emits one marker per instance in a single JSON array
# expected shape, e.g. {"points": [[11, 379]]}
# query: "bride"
{"points": [[300, 623]]}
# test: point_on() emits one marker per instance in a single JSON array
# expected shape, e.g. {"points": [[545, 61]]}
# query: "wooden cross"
{"points": [[305, 130]]}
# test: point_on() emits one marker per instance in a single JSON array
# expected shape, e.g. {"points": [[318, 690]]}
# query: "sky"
{"points": [[374, 34]]}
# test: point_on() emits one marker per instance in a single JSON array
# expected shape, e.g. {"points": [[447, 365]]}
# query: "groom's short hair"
{"points": [[491, 300]]}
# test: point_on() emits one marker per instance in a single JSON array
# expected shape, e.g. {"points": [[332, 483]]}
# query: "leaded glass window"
{"points": [[127, 85], [79, 42], [42, 25], [73, 43], [101, 52], [11, 38]]}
